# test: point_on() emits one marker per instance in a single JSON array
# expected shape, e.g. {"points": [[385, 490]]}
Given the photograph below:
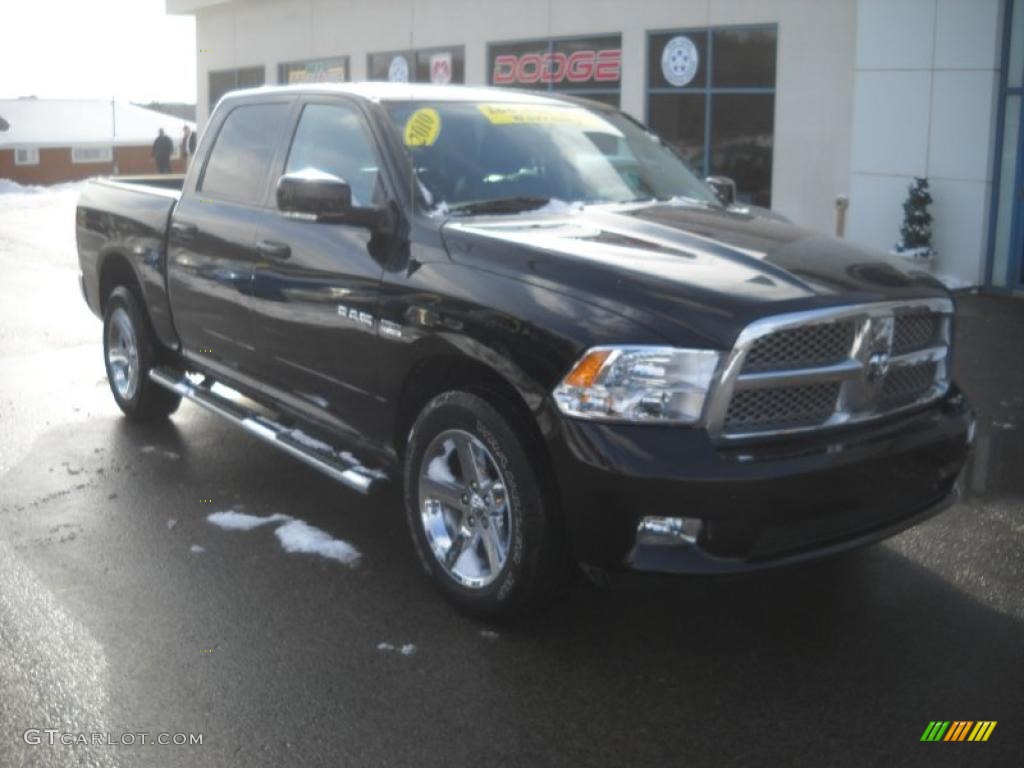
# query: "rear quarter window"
{"points": [[242, 153]]}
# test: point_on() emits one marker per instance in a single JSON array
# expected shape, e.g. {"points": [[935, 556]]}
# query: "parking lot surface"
{"points": [[124, 609]]}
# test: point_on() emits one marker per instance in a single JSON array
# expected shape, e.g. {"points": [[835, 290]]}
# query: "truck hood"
{"points": [[693, 274]]}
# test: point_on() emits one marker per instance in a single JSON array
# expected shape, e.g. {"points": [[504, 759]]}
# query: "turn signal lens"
{"points": [[585, 371], [639, 384]]}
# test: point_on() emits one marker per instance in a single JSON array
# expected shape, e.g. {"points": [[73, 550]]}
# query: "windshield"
{"points": [[471, 154]]}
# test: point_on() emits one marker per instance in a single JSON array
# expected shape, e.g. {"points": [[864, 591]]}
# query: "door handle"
{"points": [[273, 249], [183, 230]]}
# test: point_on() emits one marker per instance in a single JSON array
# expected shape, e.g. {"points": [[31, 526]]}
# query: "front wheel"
{"points": [[483, 525], [129, 351]]}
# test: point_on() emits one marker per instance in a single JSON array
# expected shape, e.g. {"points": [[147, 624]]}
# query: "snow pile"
{"points": [[9, 187], [555, 205], [294, 535], [952, 282]]}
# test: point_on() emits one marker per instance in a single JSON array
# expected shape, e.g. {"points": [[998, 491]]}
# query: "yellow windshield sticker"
{"points": [[544, 114], [422, 128]]}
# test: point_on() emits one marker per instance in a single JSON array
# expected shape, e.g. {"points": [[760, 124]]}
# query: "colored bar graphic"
{"points": [[935, 730], [958, 730]]}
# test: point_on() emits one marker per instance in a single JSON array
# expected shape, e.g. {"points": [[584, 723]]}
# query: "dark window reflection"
{"points": [[741, 143], [722, 107], [227, 80], [679, 119], [427, 65], [743, 58]]}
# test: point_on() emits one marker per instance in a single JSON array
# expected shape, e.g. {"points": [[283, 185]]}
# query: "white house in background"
{"points": [[47, 141], [801, 101]]}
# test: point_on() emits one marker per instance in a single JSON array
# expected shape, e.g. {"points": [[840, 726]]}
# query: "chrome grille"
{"points": [[822, 368], [782, 407], [906, 385], [916, 331], [822, 344]]}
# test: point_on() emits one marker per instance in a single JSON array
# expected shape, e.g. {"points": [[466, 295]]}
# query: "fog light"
{"points": [[668, 531]]}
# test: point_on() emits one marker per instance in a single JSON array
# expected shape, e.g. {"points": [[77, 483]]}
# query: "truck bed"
{"points": [[121, 224]]}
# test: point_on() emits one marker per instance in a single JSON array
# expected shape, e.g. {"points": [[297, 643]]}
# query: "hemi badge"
{"points": [[388, 328]]}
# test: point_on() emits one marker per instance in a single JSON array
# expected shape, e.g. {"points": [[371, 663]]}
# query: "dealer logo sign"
{"points": [[603, 66]]}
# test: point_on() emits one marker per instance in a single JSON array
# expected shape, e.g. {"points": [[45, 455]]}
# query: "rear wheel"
{"points": [[483, 526], [129, 352]]}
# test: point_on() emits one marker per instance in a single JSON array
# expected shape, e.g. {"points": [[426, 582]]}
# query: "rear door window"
{"points": [[242, 154]]}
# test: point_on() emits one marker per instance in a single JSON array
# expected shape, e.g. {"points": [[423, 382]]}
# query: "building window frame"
{"points": [[344, 60], [234, 72], [550, 43], [412, 55], [26, 156], [91, 155], [707, 89]]}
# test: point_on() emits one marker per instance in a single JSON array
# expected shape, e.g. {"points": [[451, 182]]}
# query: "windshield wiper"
{"points": [[501, 205]]}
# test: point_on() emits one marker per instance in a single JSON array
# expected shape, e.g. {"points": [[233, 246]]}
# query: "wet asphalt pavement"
{"points": [[110, 622]]}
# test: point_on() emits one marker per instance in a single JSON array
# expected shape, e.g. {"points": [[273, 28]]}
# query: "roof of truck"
{"points": [[382, 91]]}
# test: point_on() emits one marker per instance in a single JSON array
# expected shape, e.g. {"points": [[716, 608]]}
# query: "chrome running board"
{"points": [[339, 465]]}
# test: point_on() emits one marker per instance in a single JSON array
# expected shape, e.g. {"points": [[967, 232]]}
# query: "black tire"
{"points": [[146, 401], [537, 562]]}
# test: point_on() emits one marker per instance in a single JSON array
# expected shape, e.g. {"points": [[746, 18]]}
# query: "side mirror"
{"points": [[314, 193], [724, 189]]}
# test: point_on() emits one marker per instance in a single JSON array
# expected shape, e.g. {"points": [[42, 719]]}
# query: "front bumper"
{"points": [[760, 504]]}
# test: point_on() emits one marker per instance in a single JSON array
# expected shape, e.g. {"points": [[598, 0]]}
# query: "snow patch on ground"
{"points": [[230, 520], [297, 536], [1004, 425], [195, 549], [165, 454], [489, 634], [406, 650], [294, 535], [171, 522]]}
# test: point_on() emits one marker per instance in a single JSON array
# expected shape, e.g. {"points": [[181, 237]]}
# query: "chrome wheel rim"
{"points": [[122, 354], [464, 508]]}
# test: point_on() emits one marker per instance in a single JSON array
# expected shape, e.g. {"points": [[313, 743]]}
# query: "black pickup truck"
{"points": [[531, 313]]}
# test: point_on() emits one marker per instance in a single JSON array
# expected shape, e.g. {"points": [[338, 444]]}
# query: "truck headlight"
{"points": [[638, 384]]}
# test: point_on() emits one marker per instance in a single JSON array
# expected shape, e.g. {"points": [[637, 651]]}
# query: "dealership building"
{"points": [[806, 104]]}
